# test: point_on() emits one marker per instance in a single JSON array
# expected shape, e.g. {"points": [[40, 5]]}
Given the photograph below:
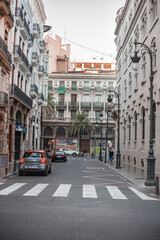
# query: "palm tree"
{"points": [[50, 108], [81, 122]]}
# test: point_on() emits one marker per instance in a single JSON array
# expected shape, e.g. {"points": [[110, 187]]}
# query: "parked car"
{"points": [[35, 161], [69, 151], [59, 156]]}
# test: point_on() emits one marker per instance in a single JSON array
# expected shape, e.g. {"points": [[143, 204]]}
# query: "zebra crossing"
{"points": [[64, 191]]}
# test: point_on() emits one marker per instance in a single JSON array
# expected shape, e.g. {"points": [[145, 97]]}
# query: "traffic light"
{"points": [[52, 140]]}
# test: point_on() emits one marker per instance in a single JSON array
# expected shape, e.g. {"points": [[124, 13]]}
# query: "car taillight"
{"points": [[63, 155], [53, 155], [22, 160], [43, 161]]}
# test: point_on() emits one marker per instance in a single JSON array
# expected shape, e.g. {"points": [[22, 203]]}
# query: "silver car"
{"points": [[35, 161]]}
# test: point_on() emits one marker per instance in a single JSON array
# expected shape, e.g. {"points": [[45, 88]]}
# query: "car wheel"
{"points": [[49, 169], [74, 154], [20, 173]]}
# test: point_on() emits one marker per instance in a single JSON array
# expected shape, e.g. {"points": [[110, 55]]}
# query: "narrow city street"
{"points": [[81, 199]]}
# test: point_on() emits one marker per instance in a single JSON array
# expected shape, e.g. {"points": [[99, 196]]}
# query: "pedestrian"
{"points": [[111, 155], [92, 154]]}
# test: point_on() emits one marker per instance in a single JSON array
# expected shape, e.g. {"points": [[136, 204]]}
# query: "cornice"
{"points": [[71, 77]]}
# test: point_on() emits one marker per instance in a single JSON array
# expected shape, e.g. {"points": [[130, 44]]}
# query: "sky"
{"points": [[87, 23]]}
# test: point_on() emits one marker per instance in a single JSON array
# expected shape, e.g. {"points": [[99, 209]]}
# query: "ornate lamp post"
{"points": [[118, 155], [150, 159], [100, 144]]}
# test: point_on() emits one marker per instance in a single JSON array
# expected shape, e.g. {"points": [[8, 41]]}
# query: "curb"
{"points": [[15, 173]]}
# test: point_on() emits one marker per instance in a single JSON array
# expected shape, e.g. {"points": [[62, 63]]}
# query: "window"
{"points": [[73, 97], [144, 24], [135, 119], [143, 124], [61, 84], [97, 115], [85, 98], [49, 85], [130, 83], [129, 128], [61, 113], [60, 132], [110, 85], [124, 129], [86, 84], [73, 112], [98, 84], [61, 98], [153, 9], [98, 98], [154, 52], [48, 131]]}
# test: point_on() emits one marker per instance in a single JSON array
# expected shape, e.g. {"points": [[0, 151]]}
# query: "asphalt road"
{"points": [[80, 200]]}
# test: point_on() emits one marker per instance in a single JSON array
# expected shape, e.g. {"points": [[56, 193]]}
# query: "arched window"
{"points": [[60, 132], [135, 119], [154, 120], [48, 131], [97, 131], [129, 128], [18, 117], [143, 124]]}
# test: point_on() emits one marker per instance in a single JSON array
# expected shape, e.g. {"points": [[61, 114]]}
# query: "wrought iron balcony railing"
{"points": [[19, 94], [17, 50], [4, 49], [85, 104], [73, 104], [26, 26], [34, 88]]}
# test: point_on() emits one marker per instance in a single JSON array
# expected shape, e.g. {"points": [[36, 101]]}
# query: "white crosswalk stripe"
{"points": [[141, 195], [12, 188], [63, 190], [89, 191], [1, 183], [115, 192], [36, 190]]}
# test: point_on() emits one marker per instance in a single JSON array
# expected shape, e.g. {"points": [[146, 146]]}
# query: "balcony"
{"points": [[18, 16], [17, 53], [40, 98], [33, 91], [36, 30], [42, 45], [5, 55], [9, 20], [35, 59], [24, 64], [29, 73], [4, 8], [40, 71], [20, 96], [98, 106], [30, 41], [73, 105], [3, 99], [61, 105], [86, 105], [86, 89], [25, 31]]}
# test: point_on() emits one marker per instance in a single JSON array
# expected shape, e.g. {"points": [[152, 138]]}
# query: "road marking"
{"points": [[141, 195], [12, 188], [89, 191], [36, 190], [62, 190], [1, 183], [115, 192]]}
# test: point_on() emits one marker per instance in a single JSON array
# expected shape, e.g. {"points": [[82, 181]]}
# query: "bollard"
{"points": [[157, 185]]}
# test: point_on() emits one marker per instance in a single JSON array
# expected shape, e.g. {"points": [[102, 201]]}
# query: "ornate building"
{"points": [[138, 19]]}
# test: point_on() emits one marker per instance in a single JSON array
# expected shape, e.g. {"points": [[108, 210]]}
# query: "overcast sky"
{"points": [[90, 23]]}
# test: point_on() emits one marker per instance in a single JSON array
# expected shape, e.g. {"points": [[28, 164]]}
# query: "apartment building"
{"points": [[138, 19], [27, 81], [78, 91], [6, 24]]}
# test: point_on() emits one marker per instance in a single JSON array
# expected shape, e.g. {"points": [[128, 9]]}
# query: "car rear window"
{"points": [[33, 154], [59, 153]]}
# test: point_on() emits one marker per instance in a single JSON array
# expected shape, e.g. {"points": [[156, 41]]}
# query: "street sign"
{"points": [[103, 144], [107, 144]]}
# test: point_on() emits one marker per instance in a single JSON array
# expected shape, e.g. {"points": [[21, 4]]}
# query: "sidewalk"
{"points": [[135, 175]]}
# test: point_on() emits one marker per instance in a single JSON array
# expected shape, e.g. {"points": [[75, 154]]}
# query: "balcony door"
{"points": [[73, 98], [61, 98]]}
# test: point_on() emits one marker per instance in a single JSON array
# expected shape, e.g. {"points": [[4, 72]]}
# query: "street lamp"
{"points": [[150, 159], [100, 144], [118, 155]]}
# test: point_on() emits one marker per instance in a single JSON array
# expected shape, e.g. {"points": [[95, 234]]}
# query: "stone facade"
{"points": [[138, 19]]}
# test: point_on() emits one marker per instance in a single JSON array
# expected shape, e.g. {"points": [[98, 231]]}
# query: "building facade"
{"points": [[6, 24], [73, 92], [28, 90], [138, 19]]}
